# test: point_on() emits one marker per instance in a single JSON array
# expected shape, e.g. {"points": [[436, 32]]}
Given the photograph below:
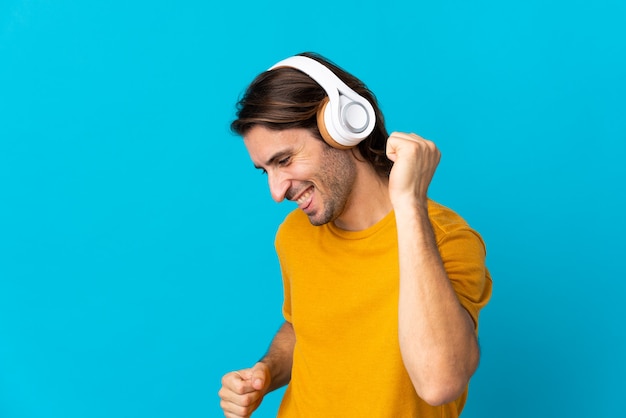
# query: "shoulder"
{"points": [[447, 223], [295, 225], [444, 218], [294, 219]]}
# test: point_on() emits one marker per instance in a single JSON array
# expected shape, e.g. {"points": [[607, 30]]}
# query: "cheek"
{"points": [[339, 171], [302, 169]]}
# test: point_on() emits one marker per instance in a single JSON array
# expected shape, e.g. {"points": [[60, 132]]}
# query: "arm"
{"points": [[436, 334], [279, 357], [243, 390]]}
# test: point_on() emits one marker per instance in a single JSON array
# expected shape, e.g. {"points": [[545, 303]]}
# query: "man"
{"points": [[382, 286]]}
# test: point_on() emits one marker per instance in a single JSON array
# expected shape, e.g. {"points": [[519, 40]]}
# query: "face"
{"points": [[303, 169]]}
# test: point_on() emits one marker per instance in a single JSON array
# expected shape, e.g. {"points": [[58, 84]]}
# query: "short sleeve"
{"points": [[463, 254]]}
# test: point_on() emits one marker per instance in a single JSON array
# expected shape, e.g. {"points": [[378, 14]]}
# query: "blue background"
{"points": [[136, 239]]}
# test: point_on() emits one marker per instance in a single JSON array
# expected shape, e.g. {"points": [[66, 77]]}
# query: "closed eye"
{"points": [[280, 159], [284, 161]]}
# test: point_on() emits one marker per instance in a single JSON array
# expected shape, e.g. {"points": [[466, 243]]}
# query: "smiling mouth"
{"points": [[305, 199]]}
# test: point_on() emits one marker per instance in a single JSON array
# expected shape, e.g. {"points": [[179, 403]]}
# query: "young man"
{"points": [[382, 286]]}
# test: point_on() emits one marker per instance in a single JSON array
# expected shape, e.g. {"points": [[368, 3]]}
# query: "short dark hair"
{"points": [[286, 98]]}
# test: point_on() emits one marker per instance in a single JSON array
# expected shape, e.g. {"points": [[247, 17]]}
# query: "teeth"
{"points": [[303, 198]]}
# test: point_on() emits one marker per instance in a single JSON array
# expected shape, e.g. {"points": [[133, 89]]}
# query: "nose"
{"points": [[278, 184]]}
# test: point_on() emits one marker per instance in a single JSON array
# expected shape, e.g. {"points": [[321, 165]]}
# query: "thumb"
{"points": [[260, 376]]}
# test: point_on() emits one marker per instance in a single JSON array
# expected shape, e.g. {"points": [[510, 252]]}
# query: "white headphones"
{"points": [[346, 118]]}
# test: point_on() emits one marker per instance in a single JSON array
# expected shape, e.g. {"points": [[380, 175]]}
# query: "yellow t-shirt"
{"points": [[341, 295]]}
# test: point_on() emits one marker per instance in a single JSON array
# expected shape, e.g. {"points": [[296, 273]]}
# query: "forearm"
{"points": [[436, 333], [279, 357]]}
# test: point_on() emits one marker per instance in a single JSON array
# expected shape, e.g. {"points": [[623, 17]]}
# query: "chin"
{"points": [[319, 220]]}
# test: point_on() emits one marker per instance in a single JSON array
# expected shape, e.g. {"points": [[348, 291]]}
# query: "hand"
{"points": [[415, 161], [243, 390]]}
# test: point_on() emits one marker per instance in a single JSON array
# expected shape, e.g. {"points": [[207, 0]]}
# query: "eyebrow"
{"points": [[274, 158]]}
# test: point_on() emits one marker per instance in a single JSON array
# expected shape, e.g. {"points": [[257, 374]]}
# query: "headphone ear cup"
{"points": [[321, 125]]}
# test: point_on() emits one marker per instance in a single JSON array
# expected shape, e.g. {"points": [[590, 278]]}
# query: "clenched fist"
{"points": [[415, 161], [243, 390]]}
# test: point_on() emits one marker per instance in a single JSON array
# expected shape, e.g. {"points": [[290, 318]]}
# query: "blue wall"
{"points": [[136, 258]]}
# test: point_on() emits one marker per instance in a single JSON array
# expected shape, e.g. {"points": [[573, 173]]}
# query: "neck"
{"points": [[368, 202]]}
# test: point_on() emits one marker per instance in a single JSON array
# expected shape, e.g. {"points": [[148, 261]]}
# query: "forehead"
{"points": [[262, 143]]}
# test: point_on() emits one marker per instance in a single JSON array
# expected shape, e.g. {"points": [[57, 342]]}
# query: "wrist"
{"points": [[410, 205]]}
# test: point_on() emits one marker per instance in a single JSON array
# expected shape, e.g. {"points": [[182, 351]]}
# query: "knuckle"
{"points": [[228, 381], [247, 400], [237, 387], [224, 405], [237, 408]]}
